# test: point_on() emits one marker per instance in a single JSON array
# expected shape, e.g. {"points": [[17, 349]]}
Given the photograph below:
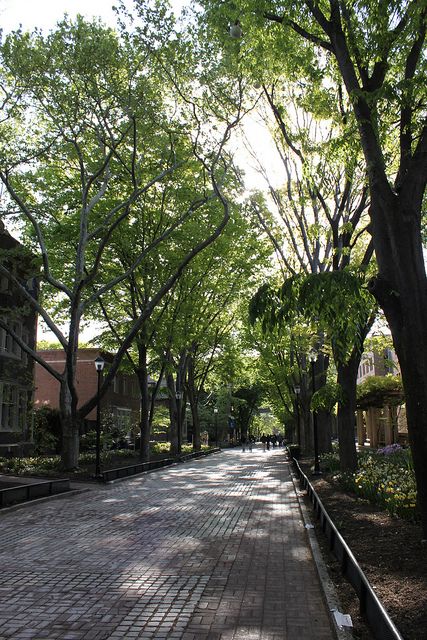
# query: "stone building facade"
{"points": [[16, 367]]}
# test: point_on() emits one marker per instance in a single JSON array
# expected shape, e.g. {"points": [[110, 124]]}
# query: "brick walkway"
{"points": [[211, 549]]}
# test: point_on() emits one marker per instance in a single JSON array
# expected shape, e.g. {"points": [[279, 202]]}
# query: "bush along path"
{"points": [[50, 466]]}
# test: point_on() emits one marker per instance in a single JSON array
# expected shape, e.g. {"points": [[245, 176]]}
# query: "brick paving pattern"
{"points": [[213, 549]]}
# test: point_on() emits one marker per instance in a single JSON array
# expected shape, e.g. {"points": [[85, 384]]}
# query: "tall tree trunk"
{"points": [[347, 379], [173, 414], [324, 419], [144, 427], [401, 290], [306, 431], [324, 425], [197, 443], [193, 400], [70, 429]]}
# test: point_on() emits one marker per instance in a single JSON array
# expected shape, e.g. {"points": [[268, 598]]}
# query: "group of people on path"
{"points": [[268, 441]]}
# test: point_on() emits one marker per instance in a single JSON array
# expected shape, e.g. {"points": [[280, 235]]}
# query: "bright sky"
{"points": [[46, 13]]}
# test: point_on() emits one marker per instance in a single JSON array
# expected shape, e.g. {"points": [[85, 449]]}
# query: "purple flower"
{"points": [[389, 449]]}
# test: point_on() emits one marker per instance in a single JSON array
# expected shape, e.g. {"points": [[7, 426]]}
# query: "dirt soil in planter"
{"points": [[389, 550]]}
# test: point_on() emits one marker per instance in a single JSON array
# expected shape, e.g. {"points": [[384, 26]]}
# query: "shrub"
{"points": [[28, 466], [386, 478], [159, 448], [330, 462], [47, 430]]}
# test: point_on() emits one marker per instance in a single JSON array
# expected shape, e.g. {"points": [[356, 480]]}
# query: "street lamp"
{"points": [[99, 366], [312, 356], [216, 425], [178, 396], [297, 390]]}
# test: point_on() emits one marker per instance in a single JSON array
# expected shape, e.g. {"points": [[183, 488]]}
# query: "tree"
{"points": [[321, 210], [85, 137], [196, 331], [379, 52]]}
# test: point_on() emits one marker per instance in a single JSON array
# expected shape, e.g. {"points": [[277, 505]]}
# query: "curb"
{"points": [[28, 503]]}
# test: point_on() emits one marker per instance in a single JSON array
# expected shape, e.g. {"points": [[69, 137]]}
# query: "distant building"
{"points": [[380, 417], [121, 401], [16, 368], [377, 364]]}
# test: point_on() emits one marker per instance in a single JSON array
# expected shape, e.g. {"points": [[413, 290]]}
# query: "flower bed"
{"points": [[385, 477]]}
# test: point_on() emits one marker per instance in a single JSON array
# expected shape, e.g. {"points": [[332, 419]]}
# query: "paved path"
{"points": [[211, 549]]}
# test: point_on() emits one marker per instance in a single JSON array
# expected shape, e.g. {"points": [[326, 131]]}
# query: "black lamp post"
{"points": [[178, 396], [297, 390], [216, 425], [312, 356], [99, 365]]}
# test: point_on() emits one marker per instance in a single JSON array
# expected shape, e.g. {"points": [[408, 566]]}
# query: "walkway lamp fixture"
{"points": [[312, 356], [99, 366], [216, 424]]}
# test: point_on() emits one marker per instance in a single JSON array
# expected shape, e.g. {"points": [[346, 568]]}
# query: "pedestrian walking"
{"points": [[264, 441]]}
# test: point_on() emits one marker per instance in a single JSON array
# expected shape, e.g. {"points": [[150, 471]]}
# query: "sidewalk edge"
{"points": [[328, 588], [56, 496]]}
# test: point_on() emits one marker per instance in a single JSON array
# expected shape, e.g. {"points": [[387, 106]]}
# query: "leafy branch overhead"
{"points": [[337, 303]]}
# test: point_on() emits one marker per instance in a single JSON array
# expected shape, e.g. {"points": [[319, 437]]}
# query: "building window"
{"points": [[4, 284], [16, 349], [8, 344], [8, 408], [3, 335], [123, 419], [13, 407], [26, 340], [22, 410], [389, 361]]}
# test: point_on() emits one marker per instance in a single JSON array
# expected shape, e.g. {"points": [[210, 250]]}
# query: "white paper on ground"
{"points": [[342, 619]]}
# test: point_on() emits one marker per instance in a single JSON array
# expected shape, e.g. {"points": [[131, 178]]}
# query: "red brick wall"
{"points": [[47, 387]]}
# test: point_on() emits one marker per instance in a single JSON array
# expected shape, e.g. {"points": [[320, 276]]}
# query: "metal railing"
{"points": [[124, 472], [24, 492], [371, 608]]}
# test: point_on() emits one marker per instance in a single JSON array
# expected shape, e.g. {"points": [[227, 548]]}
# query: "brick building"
{"points": [[16, 368], [121, 402]]}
